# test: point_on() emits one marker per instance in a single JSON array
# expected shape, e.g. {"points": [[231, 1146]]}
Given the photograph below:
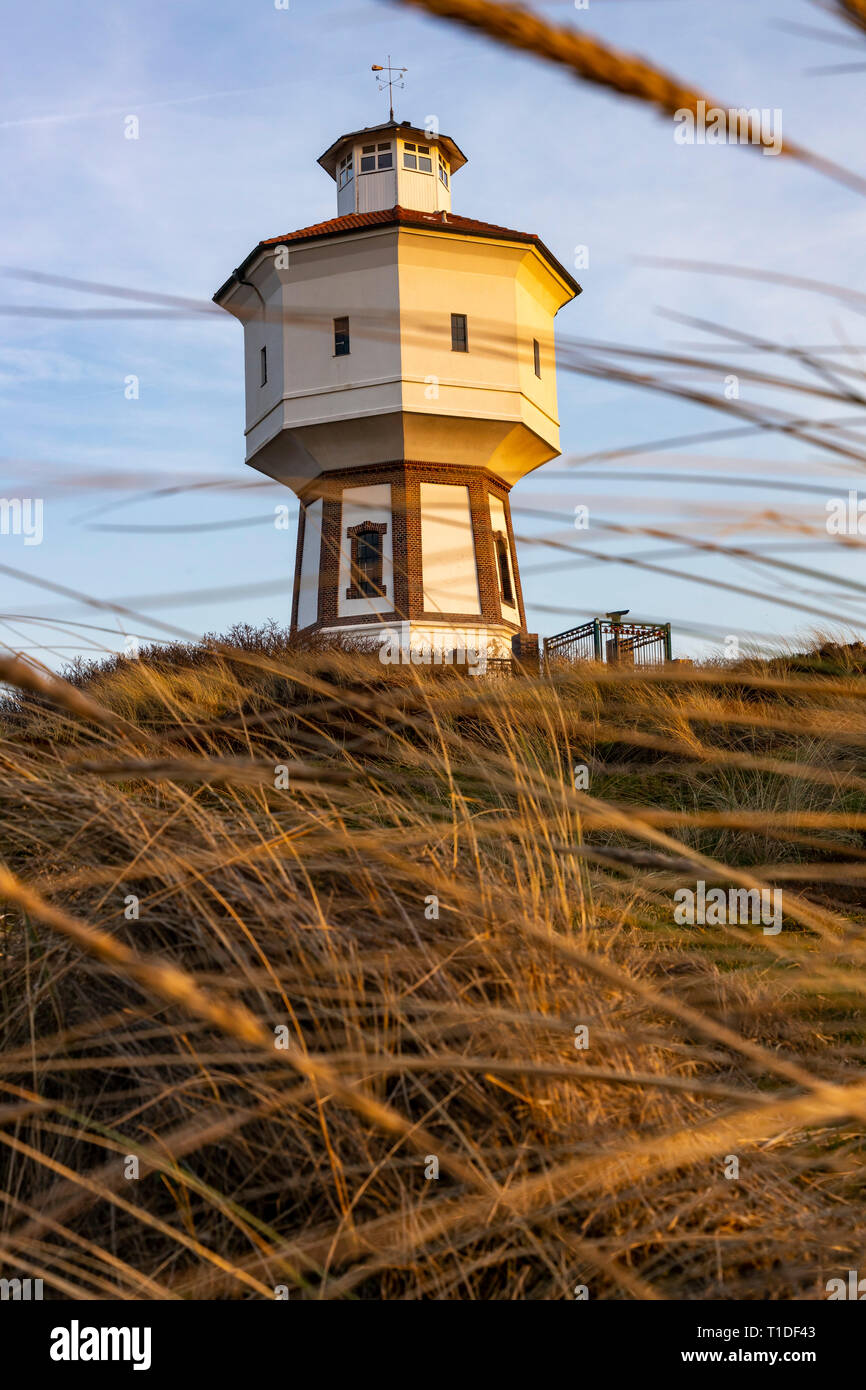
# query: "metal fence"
{"points": [[631, 644]]}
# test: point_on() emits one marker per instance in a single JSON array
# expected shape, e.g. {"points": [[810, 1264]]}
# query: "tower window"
{"points": [[505, 585], [443, 171], [341, 338], [536, 356], [367, 550], [263, 366], [375, 157], [459, 339], [346, 170], [417, 157]]}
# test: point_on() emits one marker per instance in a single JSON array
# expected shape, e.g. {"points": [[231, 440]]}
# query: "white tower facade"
{"points": [[400, 378]]}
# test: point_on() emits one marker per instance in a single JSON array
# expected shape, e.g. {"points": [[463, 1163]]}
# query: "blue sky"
{"points": [[235, 101]]}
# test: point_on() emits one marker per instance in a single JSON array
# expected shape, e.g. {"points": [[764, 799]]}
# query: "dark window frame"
{"points": [[459, 333], [506, 588], [263, 366], [536, 357], [342, 337], [366, 561]]}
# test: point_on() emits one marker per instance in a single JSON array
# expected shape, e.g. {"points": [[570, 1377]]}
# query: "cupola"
{"points": [[396, 164]]}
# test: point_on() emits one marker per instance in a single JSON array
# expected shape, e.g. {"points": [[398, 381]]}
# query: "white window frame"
{"points": [[346, 170], [413, 150], [377, 152]]}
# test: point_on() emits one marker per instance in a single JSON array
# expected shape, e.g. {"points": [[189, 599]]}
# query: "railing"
{"points": [[632, 644]]}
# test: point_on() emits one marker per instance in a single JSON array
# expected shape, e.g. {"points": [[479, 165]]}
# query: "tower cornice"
{"points": [[450, 224]]}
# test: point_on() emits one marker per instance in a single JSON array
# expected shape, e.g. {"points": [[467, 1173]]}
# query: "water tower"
{"points": [[400, 378]]}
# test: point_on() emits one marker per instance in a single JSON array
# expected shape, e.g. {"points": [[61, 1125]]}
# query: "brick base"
{"points": [[405, 477]]}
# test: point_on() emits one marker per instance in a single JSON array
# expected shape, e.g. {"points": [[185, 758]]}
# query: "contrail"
{"points": [[132, 106]]}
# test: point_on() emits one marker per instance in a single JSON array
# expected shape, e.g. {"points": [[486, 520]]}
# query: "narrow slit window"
{"points": [[536, 356], [263, 366], [459, 338], [341, 338], [504, 569]]}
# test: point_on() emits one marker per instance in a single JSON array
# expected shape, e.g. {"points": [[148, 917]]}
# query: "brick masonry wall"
{"points": [[405, 477]]}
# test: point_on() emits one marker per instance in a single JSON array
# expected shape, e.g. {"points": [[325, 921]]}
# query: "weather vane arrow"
{"points": [[393, 80]]}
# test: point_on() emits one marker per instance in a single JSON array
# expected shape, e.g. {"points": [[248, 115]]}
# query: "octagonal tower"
{"points": [[400, 378]]}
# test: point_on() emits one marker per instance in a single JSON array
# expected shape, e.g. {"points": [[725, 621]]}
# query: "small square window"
{"points": [[423, 149], [425, 164], [368, 163], [407, 145], [341, 338], [409, 160], [536, 356], [459, 338], [263, 366], [386, 161]]}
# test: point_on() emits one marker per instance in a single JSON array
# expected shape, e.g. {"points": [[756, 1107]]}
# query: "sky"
{"points": [[147, 501]]}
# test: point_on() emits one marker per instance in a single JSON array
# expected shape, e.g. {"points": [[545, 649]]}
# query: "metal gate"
{"points": [[612, 641]]}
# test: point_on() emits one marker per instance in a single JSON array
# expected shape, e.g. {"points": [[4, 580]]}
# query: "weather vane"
{"points": [[391, 81]]}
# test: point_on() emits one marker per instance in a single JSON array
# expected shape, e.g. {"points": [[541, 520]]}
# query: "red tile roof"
{"points": [[403, 217], [406, 217]]}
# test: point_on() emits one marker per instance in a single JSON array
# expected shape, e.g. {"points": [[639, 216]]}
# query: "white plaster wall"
{"points": [[498, 522], [398, 287], [356, 278], [448, 565], [366, 504], [308, 595]]}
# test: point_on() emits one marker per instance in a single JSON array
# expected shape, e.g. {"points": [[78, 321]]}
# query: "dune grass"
{"points": [[372, 911]]}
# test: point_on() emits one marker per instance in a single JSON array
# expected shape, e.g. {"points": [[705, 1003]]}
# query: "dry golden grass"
{"points": [[406, 1035], [172, 911]]}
